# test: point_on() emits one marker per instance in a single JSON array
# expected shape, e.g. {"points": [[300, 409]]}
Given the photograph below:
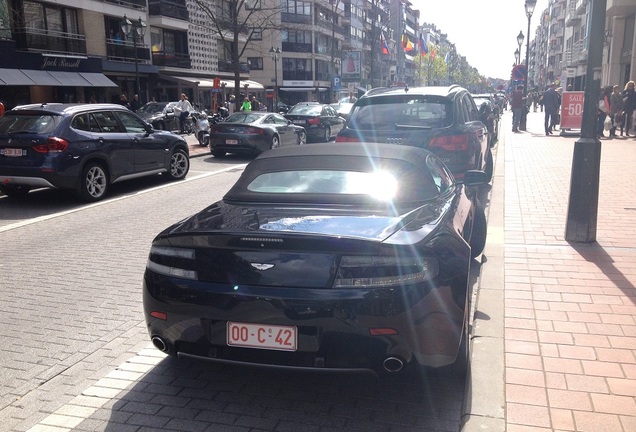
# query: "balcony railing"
{"points": [[133, 4], [171, 9], [295, 18], [51, 41], [226, 66], [298, 75], [297, 47], [125, 51], [178, 60]]}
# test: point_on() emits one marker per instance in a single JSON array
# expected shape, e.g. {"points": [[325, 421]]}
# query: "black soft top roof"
{"points": [[407, 161]]}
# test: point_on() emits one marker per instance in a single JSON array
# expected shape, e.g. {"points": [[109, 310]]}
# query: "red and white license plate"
{"points": [[231, 141], [282, 338], [13, 152]]}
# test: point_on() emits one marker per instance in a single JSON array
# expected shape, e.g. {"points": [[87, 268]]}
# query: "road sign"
{"points": [[572, 110], [337, 83], [519, 72]]}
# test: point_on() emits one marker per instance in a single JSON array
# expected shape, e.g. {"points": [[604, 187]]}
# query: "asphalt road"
{"points": [[71, 316]]}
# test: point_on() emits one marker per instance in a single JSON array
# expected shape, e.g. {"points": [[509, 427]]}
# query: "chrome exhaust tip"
{"points": [[393, 364], [159, 343]]}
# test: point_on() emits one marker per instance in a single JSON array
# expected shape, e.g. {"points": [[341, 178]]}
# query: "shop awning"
{"points": [[303, 89], [32, 77], [98, 79], [70, 79], [13, 77]]}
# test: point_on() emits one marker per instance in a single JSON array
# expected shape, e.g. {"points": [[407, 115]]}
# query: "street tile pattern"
{"points": [[570, 326]]}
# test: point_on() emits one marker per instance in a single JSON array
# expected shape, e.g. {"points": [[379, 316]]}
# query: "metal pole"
{"points": [[275, 82], [523, 121], [586, 162], [134, 37]]}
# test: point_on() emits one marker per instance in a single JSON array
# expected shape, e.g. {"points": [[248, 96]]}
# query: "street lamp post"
{"points": [[139, 28], [275, 53], [517, 53], [529, 6]]}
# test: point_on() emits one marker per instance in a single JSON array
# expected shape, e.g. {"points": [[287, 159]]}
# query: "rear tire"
{"points": [[275, 142], [327, 136], [490, 165], [15, 191], [93, 183]]}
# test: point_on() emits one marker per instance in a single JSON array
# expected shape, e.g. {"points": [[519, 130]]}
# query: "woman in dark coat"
{"points": [[629, 99]]}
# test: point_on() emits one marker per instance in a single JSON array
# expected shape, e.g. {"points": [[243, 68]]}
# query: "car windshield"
{"points": [[27, 123], [152, 108], [386, 113], [243, 118], [306, 109]]}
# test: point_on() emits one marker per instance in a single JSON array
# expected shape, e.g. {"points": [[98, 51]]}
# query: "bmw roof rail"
{"points": [[374, 91]]}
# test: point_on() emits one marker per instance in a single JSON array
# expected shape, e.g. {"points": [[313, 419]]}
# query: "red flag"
{"points": [[385, 48]]}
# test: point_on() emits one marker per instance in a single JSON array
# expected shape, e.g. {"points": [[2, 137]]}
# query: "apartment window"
{"points": [[256, 63], [51, 18], [296, 7], [257, 34], [296, 36]]}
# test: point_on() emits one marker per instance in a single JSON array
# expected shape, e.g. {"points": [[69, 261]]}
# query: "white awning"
{"points": [[203, 83]]}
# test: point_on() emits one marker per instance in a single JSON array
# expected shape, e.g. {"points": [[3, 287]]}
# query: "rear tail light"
{"points": [[450, 142], [52, 145], [347, 138], [253, 131], [378, 272], [172, 261], [314, 120]]}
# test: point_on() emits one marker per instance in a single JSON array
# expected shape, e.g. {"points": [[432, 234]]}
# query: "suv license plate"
{"points": [[231, 141], [261, 336], [299, 121], [13, 152]]}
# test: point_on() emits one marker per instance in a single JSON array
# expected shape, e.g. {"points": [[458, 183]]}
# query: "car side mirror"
{"points": [[148, 127], [475, 178]]}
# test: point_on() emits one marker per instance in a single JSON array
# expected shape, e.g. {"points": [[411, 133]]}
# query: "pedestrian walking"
{"points": [[601, 112], [123, 101], [516, 105], [134, 104], [551, 103], [616, 111], [629, 99], [247, 105], [256, 105]]}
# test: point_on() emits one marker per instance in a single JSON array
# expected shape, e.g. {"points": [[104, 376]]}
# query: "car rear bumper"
{"points": [[25, 181], [364, 331]]}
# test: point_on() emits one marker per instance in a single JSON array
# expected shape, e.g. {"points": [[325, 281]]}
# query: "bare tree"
{"points": [[237, 23]]}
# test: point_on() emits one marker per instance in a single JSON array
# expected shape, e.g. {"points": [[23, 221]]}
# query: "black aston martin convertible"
{"points": [[331, 256]]}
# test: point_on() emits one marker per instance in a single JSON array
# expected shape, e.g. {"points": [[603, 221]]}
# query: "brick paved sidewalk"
{"points": [[568, 330]]}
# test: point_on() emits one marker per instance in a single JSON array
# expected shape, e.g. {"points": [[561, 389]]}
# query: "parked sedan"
{"points": [[253, 132], [84, 148], [321, 121], [160, 115], [351, 257]]}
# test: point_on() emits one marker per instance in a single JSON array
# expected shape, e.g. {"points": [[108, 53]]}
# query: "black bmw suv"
{"points": [[443, 120], [83, 147]]}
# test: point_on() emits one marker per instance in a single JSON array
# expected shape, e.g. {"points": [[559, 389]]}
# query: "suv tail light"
{"points": [[450, 142], [314, 120], [52, 145]]}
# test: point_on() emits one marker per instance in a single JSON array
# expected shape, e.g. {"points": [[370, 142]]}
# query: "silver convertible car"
{"points": [[338, 257]]}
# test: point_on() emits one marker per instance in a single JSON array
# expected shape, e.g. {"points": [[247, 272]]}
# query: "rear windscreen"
{"points": [[28, 123], [388, 113]]}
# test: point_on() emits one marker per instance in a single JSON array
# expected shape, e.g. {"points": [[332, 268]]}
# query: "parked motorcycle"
{"points": [[202, 128], [219, 116]]}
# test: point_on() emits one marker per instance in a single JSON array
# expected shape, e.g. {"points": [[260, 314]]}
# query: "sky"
{"points": [[484, 31]]}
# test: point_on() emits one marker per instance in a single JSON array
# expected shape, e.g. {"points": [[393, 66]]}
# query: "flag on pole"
{"points": [[406, 43], [423, 47], [385, 48]]}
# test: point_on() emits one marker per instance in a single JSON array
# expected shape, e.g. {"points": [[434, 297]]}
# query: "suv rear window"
{"points": [[36, 123], [387, 113]]}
